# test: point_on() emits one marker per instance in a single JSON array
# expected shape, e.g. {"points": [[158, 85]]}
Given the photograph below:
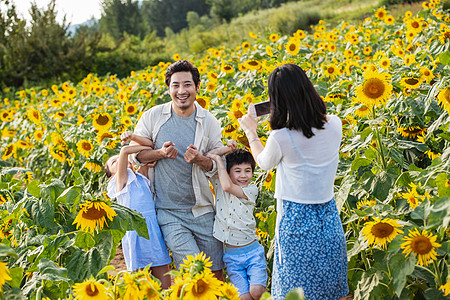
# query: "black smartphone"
{"points": [[262, 108]]}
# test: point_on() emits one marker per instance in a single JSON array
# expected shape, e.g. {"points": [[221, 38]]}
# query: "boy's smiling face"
{"points": [[241, 174]]}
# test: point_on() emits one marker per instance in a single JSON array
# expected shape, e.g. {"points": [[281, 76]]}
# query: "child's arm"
{"points": [[230, 147], [128, 136], [225, 180], [122, 164]]}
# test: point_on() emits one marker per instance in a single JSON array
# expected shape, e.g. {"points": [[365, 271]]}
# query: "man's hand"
{"points": [[168, 150], [191, 155]]}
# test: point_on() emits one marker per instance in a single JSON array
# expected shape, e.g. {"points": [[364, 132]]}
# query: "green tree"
{"points": [[161, 14], [123, 16], [41, 51]]}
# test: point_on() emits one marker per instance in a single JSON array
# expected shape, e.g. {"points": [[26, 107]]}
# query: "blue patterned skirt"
{"points": [[313, 252]]}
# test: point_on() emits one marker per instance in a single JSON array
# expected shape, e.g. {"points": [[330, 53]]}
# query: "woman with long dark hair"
{"points": [[310, 248]]}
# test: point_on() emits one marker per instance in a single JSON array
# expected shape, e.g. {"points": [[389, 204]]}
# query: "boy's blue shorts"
{"points": [[246, 266]]}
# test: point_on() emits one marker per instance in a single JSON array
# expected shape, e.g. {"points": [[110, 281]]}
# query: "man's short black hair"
{"points": [[238, 157], [182, 66]]}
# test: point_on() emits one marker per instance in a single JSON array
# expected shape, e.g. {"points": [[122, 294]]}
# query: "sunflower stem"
{"points": [[380, 147], [424, 268], [438, 274]]}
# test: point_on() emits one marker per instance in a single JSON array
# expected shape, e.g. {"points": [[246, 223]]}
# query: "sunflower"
{"points": [[91, 216], [445, 288], [84, 147], [130, 109], [411, 131], [229, 291], [331, 71], [292, 47], [34, 116], [409, 59], [9, 151], [126, 120], [367, 202], [196, 264], [230, 131], [269, 50], [378, 232], [6, 116], [150, 288], [427, 74], [92, 166], [432, 154], [131, 286], [389, 20], [269, 180], [206, 287], [227, 68], [423, 245], [252, 64], [385, 63], [375, 90], [8, 133], [274, 37], [245, 46], [57, 154], [203, 101], [444, 99], [380, 13], [4, 274], [176, 57], [91, 289], [411, 82], [362, 112], [252, 35], [38, 135], [58, 141], [367, 50], [177, 287], [102, 121], [212, 76], [112, 141]]}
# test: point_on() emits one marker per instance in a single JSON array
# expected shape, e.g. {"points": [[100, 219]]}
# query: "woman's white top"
{"points": [[306, 168]]}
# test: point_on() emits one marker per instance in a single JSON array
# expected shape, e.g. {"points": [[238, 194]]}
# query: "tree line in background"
{"points": [[130, 35]]}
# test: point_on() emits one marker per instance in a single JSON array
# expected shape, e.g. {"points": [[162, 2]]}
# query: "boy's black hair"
{"points": [[182, 66], [238, 157]]}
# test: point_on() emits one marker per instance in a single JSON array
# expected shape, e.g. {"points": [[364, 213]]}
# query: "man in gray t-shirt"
{"points": [[182, 132]]}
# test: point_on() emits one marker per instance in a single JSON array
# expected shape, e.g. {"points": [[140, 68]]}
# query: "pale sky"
{"points": [[76, 11]]}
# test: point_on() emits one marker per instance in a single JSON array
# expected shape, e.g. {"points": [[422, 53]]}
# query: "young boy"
{"points": [[235, 224], [133, 191]]}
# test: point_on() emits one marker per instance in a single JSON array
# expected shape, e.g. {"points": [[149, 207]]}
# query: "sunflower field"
{"points": [[388, 79]]}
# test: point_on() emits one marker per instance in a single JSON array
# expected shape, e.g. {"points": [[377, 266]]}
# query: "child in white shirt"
{"points": [[235, 224]]}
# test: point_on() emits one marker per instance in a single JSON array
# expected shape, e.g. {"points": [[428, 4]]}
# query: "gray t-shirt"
{"points": [[173, 177]]}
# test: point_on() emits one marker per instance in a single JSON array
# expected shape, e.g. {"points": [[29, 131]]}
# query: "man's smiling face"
{"points": [[183, 91]]}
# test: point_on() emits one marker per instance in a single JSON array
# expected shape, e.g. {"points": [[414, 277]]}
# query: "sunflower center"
{"points": [[9, 150], [102, 120], [94, 214], [202, 102], [86, 146], [421, 245], [238, 114], [411, 81], [230, 128], [292, 47], [330, 70], [253, 63], [412, 199], [36, 114], [200, 288], [382, 230], [374, 88], [91, 290], [130, 109], [415, 25]]}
